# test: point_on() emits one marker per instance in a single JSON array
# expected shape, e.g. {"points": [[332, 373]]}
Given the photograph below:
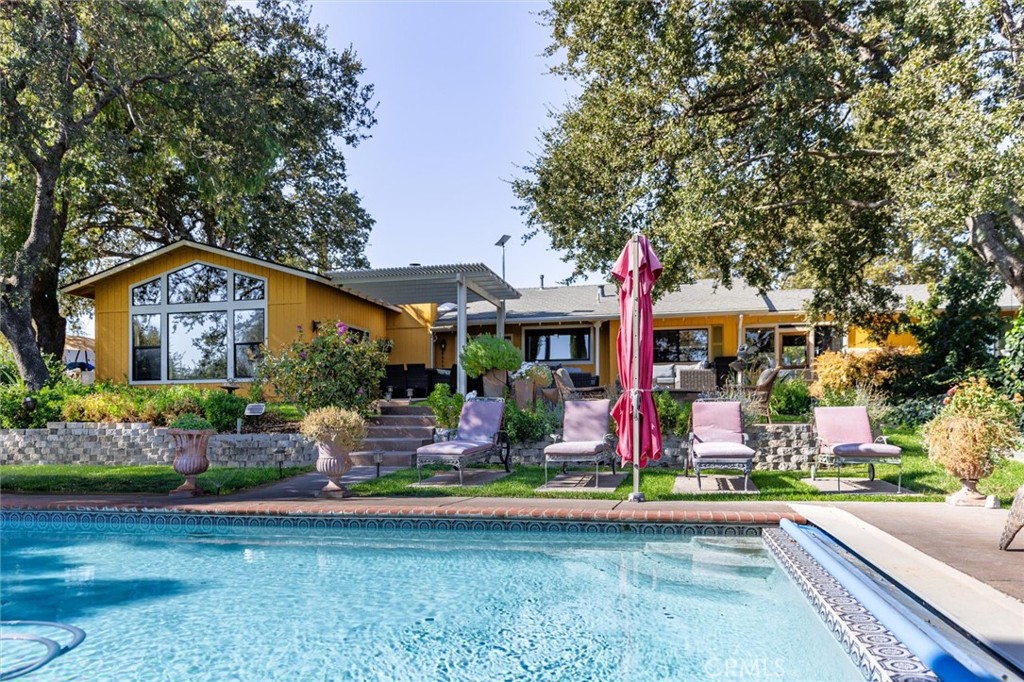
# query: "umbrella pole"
{"points": [[636, 495]]}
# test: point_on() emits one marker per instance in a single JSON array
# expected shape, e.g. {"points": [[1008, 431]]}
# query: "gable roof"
{"points": [[703, 297], [86, 287]]}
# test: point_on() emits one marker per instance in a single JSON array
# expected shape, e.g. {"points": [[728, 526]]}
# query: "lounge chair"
{"points": [[1015, 521], [584, 439], [569, 391], [477, 437], [717, 440], [761, 394], [845, 437]]}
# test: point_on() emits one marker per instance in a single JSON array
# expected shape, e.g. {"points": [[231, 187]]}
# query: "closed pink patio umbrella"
{"points": [[635, 415]]}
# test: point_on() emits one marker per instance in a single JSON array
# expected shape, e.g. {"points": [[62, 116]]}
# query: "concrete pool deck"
{"points": [[947, 556]]}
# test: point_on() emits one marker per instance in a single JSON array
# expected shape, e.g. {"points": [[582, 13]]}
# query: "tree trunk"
{"points": [[991, 244], [51, 326], [16, 296]]}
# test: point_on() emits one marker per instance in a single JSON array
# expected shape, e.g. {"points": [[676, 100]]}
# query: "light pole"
{"points": [[501, 242]]}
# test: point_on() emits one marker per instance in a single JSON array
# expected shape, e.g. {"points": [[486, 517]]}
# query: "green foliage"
{"points": [[791, 396], [529, 425], [957, 340], [446, 406], [673, 417], [914, 411], [486, 352], [223, 409], [1011, 365], [191, 422], [336, 367], [833, 157]]}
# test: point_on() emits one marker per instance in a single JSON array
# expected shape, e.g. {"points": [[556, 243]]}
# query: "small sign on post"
{"points": [[255, 409]]}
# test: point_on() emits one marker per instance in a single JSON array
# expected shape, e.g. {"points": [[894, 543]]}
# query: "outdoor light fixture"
{"points": [[29, 404], [501, 242]]}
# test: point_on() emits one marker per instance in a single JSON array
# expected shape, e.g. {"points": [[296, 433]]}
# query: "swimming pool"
{"points": [[233, 602]]}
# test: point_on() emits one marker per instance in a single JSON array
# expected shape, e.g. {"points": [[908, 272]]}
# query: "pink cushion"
{"points": [[578, 447], [842, 425], [866, 450], [718, 421], [480, 420], [585, 420], [722, 451], [453, 447]]}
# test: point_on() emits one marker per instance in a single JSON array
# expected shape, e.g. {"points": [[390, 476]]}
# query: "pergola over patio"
{"points": [[438, 284]]}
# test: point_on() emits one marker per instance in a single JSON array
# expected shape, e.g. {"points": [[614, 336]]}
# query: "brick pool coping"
{"points": [[761, 514]]}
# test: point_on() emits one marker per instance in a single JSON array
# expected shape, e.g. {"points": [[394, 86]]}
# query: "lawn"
{"points": [[80, 478], [919, 475]]}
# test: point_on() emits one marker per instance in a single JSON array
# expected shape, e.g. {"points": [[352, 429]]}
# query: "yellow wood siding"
{"points": [[291, 301], [860, 339], [410, 332]]}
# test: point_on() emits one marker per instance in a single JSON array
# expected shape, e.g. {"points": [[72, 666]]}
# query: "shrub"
{"points": [[105, 406], [791, 396], [673, 417], [976, 425], [191, 422], [446, 406], [345, 428], [486, 352], [529, 426], [223, 409], [337, 367], [1011, 365], [836, 373], [915, 411], [537, 372], [168, 402]]}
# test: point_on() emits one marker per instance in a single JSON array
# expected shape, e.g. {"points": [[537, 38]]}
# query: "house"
{"points": [[198, 314]]}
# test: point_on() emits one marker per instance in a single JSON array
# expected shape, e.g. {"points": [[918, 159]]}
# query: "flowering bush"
{"points": [[536, 372], [336, 367], [345, 428], [975, 426]]}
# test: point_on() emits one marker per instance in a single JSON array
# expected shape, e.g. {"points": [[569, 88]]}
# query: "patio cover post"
{"points": [[500, 330], [460, 331]]}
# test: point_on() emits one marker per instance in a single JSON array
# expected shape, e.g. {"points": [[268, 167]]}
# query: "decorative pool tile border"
{"points": [[190, 523], [877, 652]]}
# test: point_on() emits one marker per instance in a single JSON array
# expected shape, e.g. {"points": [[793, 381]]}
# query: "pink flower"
{"points": [[302, 355], [299, 328], [951, 391], [360, 391], [342, 328], [945, 401]]}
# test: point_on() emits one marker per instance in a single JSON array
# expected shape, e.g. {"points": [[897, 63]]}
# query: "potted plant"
{"points": [[191, 434], [336, 432], [493, 358], [446, 407], [972, 431], [527, 379]]}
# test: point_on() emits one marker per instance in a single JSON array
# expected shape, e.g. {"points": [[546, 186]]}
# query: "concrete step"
{"points": [[388, 459], [394, 444], [405, 409], [404, 420], [400, 431]]}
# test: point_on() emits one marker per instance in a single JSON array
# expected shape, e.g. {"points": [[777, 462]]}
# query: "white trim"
{"points": [[165, 309]]}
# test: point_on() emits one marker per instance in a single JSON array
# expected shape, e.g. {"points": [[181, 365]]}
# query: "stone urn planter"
{"points": [[190, 457], [337, 432], [968, 495]]}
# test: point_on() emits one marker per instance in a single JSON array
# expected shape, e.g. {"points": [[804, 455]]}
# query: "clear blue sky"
{"points": [[463, 93]]}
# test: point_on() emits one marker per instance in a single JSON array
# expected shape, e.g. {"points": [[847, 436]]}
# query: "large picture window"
{"points": [[558, 345], [197, 323], [680, 345]]}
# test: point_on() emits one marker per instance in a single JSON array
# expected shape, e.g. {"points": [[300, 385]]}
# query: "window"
{"points": [[198, 323], [558, 345], [760, 340], [680, 345], [146, 347], [794, 350], [827, 338]]}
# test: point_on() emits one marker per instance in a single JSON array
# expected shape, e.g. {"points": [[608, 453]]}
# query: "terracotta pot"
{"points": [[333, 462], [190, 458], [495, 381], [523, 390]]}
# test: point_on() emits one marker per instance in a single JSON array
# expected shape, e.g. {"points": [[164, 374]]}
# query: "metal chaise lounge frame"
{"points": [[478, 436], [584, 439], [717, 440], [845, 436]]}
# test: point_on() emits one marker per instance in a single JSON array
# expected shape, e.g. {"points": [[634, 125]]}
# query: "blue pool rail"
{"points": [[920, 642]]}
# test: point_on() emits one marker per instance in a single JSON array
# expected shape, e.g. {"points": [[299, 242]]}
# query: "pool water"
{"points": [[359, 604]]}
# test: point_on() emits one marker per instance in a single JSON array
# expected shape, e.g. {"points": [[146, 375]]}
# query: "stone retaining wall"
{"points": [[779, 447], [138, 444]]}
